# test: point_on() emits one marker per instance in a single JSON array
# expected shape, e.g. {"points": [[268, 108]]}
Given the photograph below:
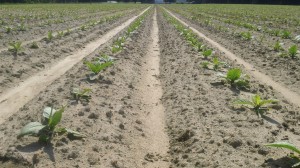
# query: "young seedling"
{"points": [[81, 94], [278, 46], [256, 104], [50, 36], [217, 63], [286, 34], [293, 51], [34, 45], [246, 36], [60, 34], [234, 77], [205, 64], [206, 53], [96, 67], [46, 130], [22, 27], [15, 47], [290, 147], [8, 29]]}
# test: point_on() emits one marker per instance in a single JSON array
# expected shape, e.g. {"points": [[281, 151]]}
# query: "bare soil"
{"points": [[155, 107]]}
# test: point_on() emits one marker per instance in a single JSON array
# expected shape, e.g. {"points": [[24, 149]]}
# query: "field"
{"points": [[141, 85]]}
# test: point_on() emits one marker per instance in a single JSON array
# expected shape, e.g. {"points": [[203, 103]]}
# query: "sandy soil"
{"points": [[155, 107], [260, 55], [15, 69]]}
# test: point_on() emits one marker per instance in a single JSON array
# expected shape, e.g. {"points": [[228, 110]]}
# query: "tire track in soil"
{"points": [[156, 145], [287, 93], [15, 98]]}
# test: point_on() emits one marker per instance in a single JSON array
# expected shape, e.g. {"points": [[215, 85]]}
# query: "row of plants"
{"points": [[16, 47], [34, 17], [233, 78], [48, 127]]}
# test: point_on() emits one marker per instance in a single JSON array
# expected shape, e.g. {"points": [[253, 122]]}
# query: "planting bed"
{"points": [[259, 51], [157, 105]]}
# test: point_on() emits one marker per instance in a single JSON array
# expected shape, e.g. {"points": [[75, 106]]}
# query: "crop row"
{"points": [[234, 78], [48, 128]]}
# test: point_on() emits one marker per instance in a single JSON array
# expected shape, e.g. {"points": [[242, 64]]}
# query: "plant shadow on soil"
{"points": [[284, 162], [35, 146]]}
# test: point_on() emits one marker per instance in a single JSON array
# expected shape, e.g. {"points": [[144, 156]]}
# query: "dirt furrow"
{"points": [[155, 147], [16, 97], [287, 93], [204, 127]]}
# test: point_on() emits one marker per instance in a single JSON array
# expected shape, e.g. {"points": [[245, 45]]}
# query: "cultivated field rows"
{"points": [[161, 100], [259, 49]]}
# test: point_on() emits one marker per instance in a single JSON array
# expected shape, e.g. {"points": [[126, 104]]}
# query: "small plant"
{"points": [[256, 103], [293, 51], [8, 29], [234, 77], [217, 63], [60, 34], [246, 36], [15, 47], [278, 46], [34, 45], [50, 36], [290, 147], [97, 67], [205, 64], [22, 27], [83, 27], [46, 130], [207, 53], [80, 94], [286, 34]]}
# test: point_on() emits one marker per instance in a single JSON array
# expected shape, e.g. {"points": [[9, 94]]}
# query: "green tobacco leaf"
{"points": [[32, 128], [233, 74], [55, 119], [48, 111], [285, 145]]}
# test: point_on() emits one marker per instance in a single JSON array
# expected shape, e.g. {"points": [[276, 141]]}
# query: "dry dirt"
{"points": [[155, 107]]}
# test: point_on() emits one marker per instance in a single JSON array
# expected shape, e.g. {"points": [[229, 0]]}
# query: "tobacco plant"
{"points": [[80, 94], [50, 36], [60, 34], [278, 46], [257, 104], [286, 34], [217, 63], [48, 128], [246, 36], [15, 47], [293, 51], [96, 67], [290, 147], [207, 52], [235, 78]]}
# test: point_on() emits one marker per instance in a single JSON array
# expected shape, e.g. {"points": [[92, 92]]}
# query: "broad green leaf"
{"points": [[32, 128], [285, 145], [233, 75], [55, 119], [48, 111]]}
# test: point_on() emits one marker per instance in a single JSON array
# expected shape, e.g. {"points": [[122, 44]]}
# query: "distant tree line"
{"points": [[278, 2]]}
